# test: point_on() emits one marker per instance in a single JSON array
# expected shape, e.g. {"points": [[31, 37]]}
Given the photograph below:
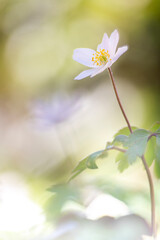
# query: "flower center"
{"points": [[101, 57]]}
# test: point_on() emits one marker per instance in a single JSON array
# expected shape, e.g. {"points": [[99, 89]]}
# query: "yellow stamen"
{"points": [[101, 57]]}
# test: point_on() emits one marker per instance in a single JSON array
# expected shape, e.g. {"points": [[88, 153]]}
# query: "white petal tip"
{"points": [[115, 32], [105, 34], [125, 48], [77, 78]]}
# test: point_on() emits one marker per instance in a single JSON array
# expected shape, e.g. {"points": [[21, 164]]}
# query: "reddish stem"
{"points": [[153, 222]]}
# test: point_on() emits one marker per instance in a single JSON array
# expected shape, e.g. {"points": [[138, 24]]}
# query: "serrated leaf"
{"points": [[131, 154], [137, 143], [122, 161], [124, 131], [138, 135], [121, 139], [88, 162]]}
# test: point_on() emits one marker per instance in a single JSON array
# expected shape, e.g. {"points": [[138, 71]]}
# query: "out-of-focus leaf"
{"points": [[157, 149], [122, 161], [150, 151], [88, 162], [109, 145], [62, 194], [155, 127], [80, 168], [124, 131], [64, 190], [157, 169], [153, 152]]}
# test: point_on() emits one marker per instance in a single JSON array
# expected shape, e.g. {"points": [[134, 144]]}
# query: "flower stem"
{"points": [[153, 222], [153, 218], [118, 99]]}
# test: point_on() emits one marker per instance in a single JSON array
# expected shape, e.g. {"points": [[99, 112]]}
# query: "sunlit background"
{"points": [[49, 122]]}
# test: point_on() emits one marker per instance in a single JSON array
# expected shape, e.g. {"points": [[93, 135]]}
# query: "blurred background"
{"points": [[49, 122]]}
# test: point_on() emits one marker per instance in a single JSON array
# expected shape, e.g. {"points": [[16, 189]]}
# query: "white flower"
{"points": [[101, 59]]}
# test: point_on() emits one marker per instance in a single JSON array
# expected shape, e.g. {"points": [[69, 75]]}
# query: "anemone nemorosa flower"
{"points": [[101, 59], [55, 110]]}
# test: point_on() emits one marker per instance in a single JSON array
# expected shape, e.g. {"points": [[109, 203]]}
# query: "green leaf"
{"points": [[157, 149], [131, 155], [138, 135], [155, 127], [137, 143], [150, 151], [158, 131], [109, 145], [124, 131], [80, 168], [122, 161], [153, 152], [157, 169], [91, 160], [61, 194], [121, 139], [65, 191], [88, 162]]}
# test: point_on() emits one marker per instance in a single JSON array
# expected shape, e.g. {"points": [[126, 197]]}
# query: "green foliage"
{"points": [[150, 151], [62, 194], [124, 131], [137, 143], [157, 149], [122, 161], [134, 144], [131, 146], [80, 168], [64, 190], [88, 162], [155, 127], [157, 157], [121, 139], [153, 148], [157, 169]]}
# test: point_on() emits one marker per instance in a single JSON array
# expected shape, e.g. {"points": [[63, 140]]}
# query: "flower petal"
{"points": [[101, 69], [113, 42], [104, 44], [119, 52], [84, 56], [85, 73]]}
